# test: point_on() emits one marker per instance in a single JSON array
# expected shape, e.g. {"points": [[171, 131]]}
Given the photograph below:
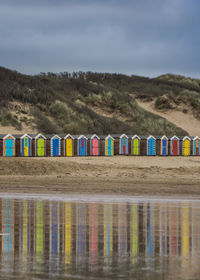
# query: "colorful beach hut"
{"points": [[174, 146], [135, 147], [196, 146], [69, 145], [123, 144], [94, 145], [8, 146], [40, 145], [186, 146], [151, 146], [56, 146], [109, 145], [82, 145], [25, 145], [164, 146]]}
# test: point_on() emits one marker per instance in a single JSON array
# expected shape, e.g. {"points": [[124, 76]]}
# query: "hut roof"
{"points": [[135, 136], [82, 136], [186, 137], [68, 135], [195, 138], [56, 136], [40, 135], [9, 135], [151, 136], [123, 135], [89, 136], [25, 135], [110, 136], [94, 136]]}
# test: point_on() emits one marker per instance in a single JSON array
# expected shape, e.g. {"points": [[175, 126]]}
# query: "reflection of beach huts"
{"points": [[69, 145], [82, 145], [40, 145], [25, 145], [135, 146], [94, 145], [164, 146], [109, 146], [186, 146], [123, 144], [196, 146], [174, 146], [151, 146], [55, 146], [8, 146]]}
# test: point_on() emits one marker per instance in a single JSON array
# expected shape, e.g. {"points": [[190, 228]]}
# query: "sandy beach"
{"points": [[90, 175]]}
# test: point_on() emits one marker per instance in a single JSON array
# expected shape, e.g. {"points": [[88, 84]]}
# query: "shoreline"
{"points": [[97, 198], [135, 176]]}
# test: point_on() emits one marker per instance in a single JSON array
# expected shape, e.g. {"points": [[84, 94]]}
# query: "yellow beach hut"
{"points": [[69, 145], [186, 146]]}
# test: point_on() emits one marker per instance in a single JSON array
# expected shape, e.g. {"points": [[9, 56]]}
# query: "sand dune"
{"points": [[185, 121], [12, 130]]}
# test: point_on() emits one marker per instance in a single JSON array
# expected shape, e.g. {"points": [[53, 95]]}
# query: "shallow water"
{"points": [[109, 239]]}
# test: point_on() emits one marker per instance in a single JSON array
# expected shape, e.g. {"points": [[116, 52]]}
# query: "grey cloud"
{"points": [[134, 37]]}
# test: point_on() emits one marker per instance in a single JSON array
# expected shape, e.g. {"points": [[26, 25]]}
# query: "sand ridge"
{"points": [[185, 121]]}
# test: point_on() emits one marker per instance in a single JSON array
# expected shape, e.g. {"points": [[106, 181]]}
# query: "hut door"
{"points": [[40, 147], [136, 147], [56, 147], [9, 147], [197, 147], [95, 147], [82, 147], [69, 147], [151, 147], [175, 147], [109, 146], [164, 143], [26, 144], [123, 145], [186, 147]]}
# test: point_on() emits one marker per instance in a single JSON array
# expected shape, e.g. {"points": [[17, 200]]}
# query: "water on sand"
{"points": [[112, 239]]}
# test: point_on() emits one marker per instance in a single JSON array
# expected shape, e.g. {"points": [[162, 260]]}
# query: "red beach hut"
{"points": [[174, 147]]}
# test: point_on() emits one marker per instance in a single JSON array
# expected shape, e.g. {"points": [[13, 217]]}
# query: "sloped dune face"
{"points": [[185, 121]]}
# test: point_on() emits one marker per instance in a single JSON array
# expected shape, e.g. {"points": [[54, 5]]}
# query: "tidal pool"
{"points": [[108, 238]]}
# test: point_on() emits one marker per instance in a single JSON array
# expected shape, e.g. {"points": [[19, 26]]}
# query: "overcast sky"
{"points": [[142, 37]]}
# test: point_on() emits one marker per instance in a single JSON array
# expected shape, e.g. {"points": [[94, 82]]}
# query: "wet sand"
{"points": [[170, 176]]}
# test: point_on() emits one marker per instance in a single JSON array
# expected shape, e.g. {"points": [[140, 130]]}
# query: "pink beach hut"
{"points": [[94, 145]]}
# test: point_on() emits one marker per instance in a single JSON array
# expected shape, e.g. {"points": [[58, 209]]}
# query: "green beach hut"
{"points": [[135, 147], [40, 145]]}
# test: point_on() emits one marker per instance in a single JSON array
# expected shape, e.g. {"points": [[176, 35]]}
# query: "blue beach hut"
{"points": [[164, 146], [9, 146], [55, 146], [25, 145], [82, 145], [109, 146], [151, 146]]}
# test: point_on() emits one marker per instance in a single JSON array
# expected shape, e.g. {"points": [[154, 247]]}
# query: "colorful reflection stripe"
{"points": [[98, 231]]}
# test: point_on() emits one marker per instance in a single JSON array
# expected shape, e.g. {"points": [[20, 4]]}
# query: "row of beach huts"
{"points": [[93, 145]]}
